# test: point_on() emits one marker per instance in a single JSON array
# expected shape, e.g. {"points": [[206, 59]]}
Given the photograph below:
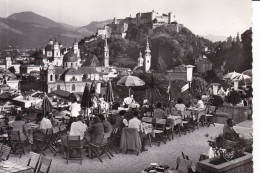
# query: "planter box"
{"points": [[240, 165]]}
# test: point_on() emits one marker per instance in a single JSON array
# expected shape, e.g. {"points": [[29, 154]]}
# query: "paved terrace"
{"points": [[193, 144]]}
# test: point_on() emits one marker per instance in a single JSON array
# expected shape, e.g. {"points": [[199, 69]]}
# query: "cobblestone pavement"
{"points": [[192, 144]]}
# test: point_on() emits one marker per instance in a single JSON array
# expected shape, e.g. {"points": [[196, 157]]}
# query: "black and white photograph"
{"points": [[127, 86]]}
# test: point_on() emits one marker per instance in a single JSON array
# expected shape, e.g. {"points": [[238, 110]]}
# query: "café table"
{"points": [[9, 166], [176, 120]]}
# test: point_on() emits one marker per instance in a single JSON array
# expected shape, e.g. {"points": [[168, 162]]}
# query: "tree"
{"points": [[216, 100], [155, 86], [234, 98], [198, 86]]}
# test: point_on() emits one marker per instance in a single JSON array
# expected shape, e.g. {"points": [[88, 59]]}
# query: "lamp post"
{"points": [[189, 70], [236, 84], [215, 88]]}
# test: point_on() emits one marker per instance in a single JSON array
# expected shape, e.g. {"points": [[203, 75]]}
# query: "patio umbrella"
{"points": [[243, 77], [230, 75], [130, 81], [109, 93], [248, 72], [86, 99], [46, 105]]}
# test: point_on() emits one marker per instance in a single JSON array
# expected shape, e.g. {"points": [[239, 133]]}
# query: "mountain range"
{"points": [[30, 30]]}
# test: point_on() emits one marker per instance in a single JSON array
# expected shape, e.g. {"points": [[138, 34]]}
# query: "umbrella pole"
{"points": [[129, 91]]}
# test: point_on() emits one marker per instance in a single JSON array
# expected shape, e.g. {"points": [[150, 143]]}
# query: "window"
{"points": [[51, 77], [73, 87]]}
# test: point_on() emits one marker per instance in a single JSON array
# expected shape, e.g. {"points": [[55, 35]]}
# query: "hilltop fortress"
{"points": [[152, 19]]}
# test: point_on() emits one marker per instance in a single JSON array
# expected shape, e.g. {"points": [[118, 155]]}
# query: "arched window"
{"points": [[58, 87], [73, 87], [51, 77]]}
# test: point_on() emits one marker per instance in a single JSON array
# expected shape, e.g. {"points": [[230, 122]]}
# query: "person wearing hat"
{"points": [[96, 131]]}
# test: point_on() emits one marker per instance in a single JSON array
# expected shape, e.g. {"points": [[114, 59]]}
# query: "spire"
{"points": [[140, 54], [147, 50]]}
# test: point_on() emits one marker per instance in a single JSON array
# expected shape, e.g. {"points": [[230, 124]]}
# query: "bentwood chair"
{"points": [[5, 152], [42, 143], [160, 125], [33, 161], [44, 165]]}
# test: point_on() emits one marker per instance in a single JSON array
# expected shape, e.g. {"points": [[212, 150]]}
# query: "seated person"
{"points": [[136, 123], [45, 123], [121, 121], [78, 128], [179, 105], [200, 105], [116, 104], [170, 110], [106, 124], [158, 112], [96, 131], [228, 131], [21, 126], [130, 102]]}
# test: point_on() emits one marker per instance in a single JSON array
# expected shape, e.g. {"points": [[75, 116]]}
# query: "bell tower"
{"points": [[106, 54], [147, 57]]}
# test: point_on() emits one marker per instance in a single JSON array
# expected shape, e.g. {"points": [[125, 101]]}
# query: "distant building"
{"points": [[203, 64], [178, 73], [7, 63], [153, 19]]}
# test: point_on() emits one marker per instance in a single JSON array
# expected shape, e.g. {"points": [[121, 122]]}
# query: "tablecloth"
{"points": [[9, 166], [175, 120]]}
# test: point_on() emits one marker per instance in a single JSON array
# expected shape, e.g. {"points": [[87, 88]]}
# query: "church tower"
{"points": [[106, 54], [76, 50], [147, 57], [50, 74], [140, 60]]}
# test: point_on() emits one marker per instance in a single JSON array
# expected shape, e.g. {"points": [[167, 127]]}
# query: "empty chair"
{"points": [[74, 148], [5, 152], [210, 115], [33, 161], [43, 143], [44, 165]]}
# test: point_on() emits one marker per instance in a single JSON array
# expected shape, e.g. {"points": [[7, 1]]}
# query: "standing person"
{"points": [[20, 125], [74, 111], [158, 112], [136, 123]]}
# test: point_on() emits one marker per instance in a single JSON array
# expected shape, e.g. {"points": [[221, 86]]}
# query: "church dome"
{"points": [[70, 57], [48, 47]]}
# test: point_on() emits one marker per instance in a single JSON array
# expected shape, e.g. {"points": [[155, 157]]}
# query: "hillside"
{"points": [[29, 35], [91, 28], [168, 48]]}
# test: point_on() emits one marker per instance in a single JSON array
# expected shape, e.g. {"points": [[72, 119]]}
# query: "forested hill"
{"points": [[168, 48]]}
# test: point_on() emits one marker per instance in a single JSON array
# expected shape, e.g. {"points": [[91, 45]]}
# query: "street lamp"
{"points": [[189, 69], [215, 88]]}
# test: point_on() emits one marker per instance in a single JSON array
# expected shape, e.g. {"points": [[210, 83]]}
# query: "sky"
{"points": [[217, 17]]}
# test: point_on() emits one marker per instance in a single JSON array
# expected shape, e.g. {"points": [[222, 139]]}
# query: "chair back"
{"points": [[14, 136], [5, 152], [34, 159], [130, 139], [1, 145], [186, 114], [73, 141], [160, 124], [147, 119], [45, 164]]}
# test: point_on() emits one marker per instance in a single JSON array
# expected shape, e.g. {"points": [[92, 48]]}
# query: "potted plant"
{"points": [[216, 101]]}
